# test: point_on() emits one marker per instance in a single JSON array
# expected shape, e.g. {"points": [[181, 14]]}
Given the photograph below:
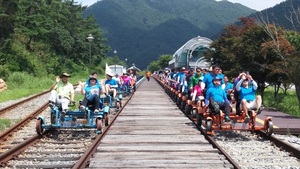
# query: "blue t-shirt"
{"points": [[112, 82], [208, 79], [171, 75], [228, 86], [247, 93], [180, 77], [92, 91], [217, 93]]}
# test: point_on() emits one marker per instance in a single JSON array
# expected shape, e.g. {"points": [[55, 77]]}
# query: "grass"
{"points": [[4, 123], [23, 85], [287, 103]]}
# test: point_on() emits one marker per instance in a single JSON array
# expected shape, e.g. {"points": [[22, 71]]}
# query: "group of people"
{"points": [[62, 91], [212, 86]]}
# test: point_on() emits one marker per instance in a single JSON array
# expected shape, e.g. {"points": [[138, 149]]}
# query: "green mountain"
{"points": [[142, 30], [284, 14]]}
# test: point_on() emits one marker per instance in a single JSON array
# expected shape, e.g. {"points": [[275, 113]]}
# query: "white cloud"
{"points": [[86, 2], [257, 4]]}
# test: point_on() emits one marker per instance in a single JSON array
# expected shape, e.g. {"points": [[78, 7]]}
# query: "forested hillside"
{"points": [[143, 30], [283, 14], [46, 37]]}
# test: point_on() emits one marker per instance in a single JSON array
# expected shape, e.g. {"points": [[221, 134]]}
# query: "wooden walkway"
{"points": [[151, 132]]}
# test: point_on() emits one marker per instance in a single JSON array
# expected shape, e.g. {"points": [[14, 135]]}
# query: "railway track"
{"points": [[254, 150], [54, 149], [250, 150], [23, 101], [21, 147], [151, 132]]}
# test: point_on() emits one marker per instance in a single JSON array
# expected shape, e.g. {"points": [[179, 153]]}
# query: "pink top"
{"points": [[126, 80], [198, 89]]}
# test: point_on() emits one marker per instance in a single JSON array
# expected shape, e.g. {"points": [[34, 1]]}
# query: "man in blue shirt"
{"points": [[111, 85], [216, 98], [228, 87], [249, 100], [180, 78], [208, 78]]}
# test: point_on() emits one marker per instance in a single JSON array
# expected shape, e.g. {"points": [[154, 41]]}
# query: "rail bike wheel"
{"points": [[121, 104], [183, 104], [179, 100], [194, 113], [199, 119], [208, 126], [269, 128], [188, 109], [38, 127], [53, 118], [117, 105], [174, 96], [99, 124], [105, 117]]}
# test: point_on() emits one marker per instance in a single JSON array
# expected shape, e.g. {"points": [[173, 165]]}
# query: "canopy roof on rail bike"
{"points": [[134, 68]]}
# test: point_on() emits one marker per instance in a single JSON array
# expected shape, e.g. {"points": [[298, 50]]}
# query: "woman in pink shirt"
{"points": [[196, 93], [126, 79]]}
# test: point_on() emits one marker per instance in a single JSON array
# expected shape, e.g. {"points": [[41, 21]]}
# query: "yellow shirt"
{"points": [[64, 90]]}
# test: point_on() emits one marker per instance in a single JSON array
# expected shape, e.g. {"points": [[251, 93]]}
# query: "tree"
{"points": [[154, 66], [244, 47], [161, 63], [163, 60], [285, 44], [45, 37]]}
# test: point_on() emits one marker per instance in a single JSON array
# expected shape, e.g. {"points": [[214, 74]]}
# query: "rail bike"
{"points": [[112, 102], [87, 118], [193, 107], [244, 121], [117, 103], [212, 121]]}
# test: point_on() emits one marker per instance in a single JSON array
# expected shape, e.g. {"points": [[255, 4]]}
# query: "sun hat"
{"points": [[65, 74], [217, 78], [92, 77]]}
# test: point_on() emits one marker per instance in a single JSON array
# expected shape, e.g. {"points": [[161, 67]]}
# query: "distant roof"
{"points": [[134, 68]]}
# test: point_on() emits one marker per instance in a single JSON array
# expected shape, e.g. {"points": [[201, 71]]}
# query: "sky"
{"points": [[257, 4], [253, 4]]}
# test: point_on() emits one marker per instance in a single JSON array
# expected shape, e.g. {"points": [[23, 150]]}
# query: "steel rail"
{"points": [[2, 110], [281, 144], [84, 160], [13, 152], [287, 131], [210, 139], [7, 133]]}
